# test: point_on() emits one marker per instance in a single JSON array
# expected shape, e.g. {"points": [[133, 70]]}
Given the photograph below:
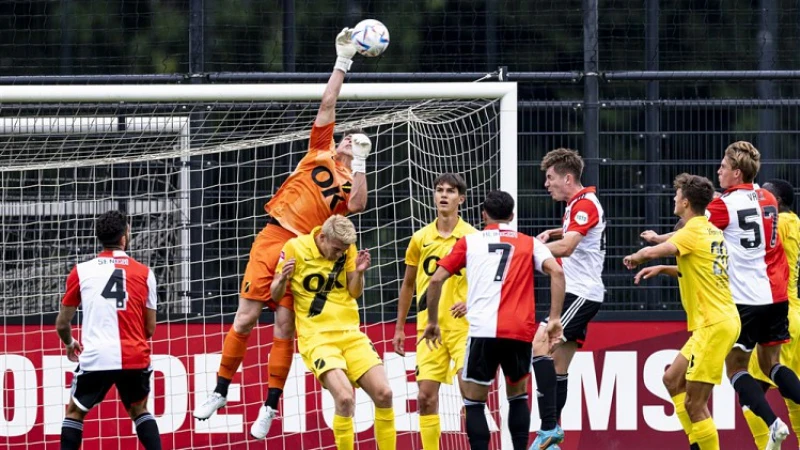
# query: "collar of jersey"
{"points": [[456, 231], [585, 190], [748, 186], [111, 253], [498, 226]]}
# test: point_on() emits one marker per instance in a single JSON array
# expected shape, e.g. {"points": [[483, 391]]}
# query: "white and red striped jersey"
{"points": [[500, 264], [583, 270], [113, 290], [751, 237]]}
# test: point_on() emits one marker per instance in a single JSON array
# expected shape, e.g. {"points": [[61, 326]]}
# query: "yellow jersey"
{"points": [[426, 248], [789, 232], [703, 273], [319, 287]]}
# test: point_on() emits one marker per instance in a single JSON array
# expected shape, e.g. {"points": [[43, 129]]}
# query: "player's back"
{"points": [[318, 188], [738, 214], [789, 231], [500, 296], [114, 291], [777, 265]]}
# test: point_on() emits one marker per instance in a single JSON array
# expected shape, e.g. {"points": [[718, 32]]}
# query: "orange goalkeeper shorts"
{"points": [[260, 271]]}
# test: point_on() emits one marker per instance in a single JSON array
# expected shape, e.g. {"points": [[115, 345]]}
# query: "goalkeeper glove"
{"points": [[360, 147], [345, 50]]}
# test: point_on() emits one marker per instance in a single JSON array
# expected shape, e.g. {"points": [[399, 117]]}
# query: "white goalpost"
{"points": [[193, 166]]}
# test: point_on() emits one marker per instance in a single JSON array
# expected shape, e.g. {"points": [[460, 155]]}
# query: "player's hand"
{"points": [[555, 331], [544, 236], [432, 336], [630, 262], [458, 310], [398, 341], [363, 260], [647, 272], [360, 147], [74, 350], [345, 50], [288, 269], [650, 236]]}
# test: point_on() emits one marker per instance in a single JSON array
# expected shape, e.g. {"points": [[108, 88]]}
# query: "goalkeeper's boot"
{"points": [[260, 427], [548, 439], [778, 432], [214, 402]]}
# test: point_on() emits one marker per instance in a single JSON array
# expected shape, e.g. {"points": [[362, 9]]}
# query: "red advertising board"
{"points": [[616, 397]]}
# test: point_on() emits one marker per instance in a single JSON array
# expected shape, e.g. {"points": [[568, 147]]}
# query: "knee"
{"points": [[73, 412], [383, 397], [137, 410], [284, 326], [345, 405], [428, 402], [673, 383], [245, 320]]}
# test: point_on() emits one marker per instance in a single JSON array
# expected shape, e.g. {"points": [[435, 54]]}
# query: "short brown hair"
{"points": [[699, 191], [351, 131], [563, 161], [744, 156], [453, 179]]}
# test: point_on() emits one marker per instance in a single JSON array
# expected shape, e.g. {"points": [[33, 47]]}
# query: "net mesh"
{"points": [[194, 178]]}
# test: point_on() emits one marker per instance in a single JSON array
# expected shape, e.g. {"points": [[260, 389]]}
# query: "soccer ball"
{"points": [[370, 38]]}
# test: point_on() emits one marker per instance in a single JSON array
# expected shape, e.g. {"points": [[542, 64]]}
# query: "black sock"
{"points": [[519, 421], [751, 396], [545, 373], [562, 381], [787, 382], [222, 386], [694, 446], [71, 434], [477, 428], [273, 396], [147, 430]]}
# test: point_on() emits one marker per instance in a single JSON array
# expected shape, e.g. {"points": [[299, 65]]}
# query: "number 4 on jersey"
{"points": [[115, 289]]}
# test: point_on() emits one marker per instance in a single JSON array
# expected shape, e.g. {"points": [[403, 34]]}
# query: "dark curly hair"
{"points": [[783, 191], [110, 227], [499, 205]]}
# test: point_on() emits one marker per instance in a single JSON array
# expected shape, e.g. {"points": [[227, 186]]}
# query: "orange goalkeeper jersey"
{"points": [[318, 188]]}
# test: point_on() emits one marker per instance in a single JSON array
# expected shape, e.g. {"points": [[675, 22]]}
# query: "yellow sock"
{"points": [[794, 416], [704, 433], [385, 432], [430, 430], [758, 428], [343, 433], [680, 409]]}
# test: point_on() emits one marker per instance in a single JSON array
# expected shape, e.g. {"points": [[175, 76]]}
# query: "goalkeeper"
{"points": [[329, 180]]}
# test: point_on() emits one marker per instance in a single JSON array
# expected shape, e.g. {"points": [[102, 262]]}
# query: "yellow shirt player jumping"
{"points": [[711, 315], [428, 245], [325, 273], [789, 234]]}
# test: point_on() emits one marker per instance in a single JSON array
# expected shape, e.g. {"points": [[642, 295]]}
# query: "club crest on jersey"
{"points": [[283, 256], [582, 218]]}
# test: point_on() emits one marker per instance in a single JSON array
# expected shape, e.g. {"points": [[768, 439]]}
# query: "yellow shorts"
{"points": [[442, 363], [789, 352], [349, 351], [707, 348]]}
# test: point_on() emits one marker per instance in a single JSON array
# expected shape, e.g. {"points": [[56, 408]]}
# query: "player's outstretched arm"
{"points": [[403, 305], [564, 247], [652, 271], [550, 235], [652, 237], [649, 253], [345, 50]]}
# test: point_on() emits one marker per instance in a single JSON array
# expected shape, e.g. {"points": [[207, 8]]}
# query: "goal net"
{"points": [[193, 167]]}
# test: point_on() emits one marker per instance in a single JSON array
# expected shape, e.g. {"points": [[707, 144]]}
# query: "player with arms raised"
{"points": [[711, 315], [581, 248], [501, 312], [327, 181], [118, 298], [428, 245], [325, 273]]}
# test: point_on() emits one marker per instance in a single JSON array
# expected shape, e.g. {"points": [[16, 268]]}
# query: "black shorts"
{"points": [[484, 355], [763, 324], [575, 317], [89, 388]]}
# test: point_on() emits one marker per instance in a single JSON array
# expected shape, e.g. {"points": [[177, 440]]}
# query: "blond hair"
{"points": [[743, 156], [563, 161], [340, 228]]}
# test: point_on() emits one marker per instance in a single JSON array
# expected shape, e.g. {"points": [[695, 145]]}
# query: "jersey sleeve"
{"points": [[583, 216], [72, 297], [540, 254], [412, 253], [152, 290], [321, 138], [457, 259], [717, 213], [684, 239], [287, 253], [350, 260]]}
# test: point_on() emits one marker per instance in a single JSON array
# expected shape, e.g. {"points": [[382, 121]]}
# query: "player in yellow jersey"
{"points": [[325, 274], [789, 234], [711, 315], [428, 245]]}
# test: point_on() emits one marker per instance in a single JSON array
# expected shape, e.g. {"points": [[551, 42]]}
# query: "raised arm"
{"points": [[345, 50]]}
